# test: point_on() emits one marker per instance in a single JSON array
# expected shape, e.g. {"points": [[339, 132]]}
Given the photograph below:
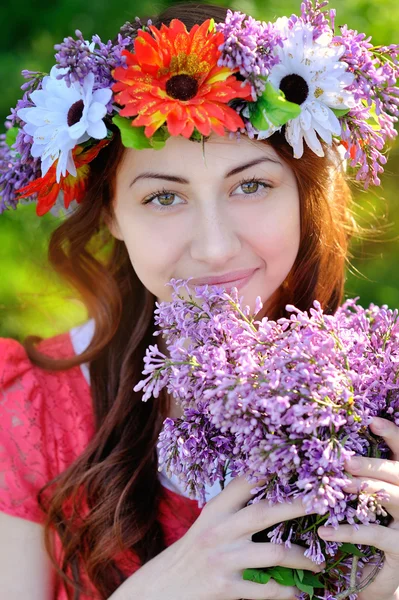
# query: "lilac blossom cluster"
{"points": [[16, 171], [284, 403], [81, 57], [17, 166], [369, 125], [317, 15], [249, 46]]}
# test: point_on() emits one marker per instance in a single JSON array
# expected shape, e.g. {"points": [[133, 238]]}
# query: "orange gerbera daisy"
{"points": [[74, 188], [173, 77]]}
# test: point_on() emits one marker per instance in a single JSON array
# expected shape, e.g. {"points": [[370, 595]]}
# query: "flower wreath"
{"points": [[298, 75]]}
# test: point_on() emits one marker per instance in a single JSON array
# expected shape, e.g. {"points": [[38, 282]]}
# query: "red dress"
{"points": [[46, 421]]}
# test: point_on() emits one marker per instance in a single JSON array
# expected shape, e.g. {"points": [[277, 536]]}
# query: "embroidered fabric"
{"points": [[46, 421]]}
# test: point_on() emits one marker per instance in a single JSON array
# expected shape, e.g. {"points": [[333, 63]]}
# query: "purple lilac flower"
{"points": [[81, 57], [15, 172], [17, 166], [369, 125], [33, 82], [249, 46], [370, 505], [317, 16], [197, 438], [282, 402]]}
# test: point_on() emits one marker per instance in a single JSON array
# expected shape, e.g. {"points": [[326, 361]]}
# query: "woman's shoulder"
{"points": [[46, 421], [58, 390]]}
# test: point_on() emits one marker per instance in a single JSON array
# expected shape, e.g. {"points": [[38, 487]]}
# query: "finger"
{"points": [[384, 585], [376, 468], [262, 555], [261, 515], [264, 591], [389, 432], [236, 495], [384, 538], [372, 487]]}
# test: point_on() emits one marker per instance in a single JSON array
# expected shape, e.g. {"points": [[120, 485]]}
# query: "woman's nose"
{"points": [[215, 238]]}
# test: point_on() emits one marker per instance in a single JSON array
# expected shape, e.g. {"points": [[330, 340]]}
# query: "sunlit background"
{"points": [[32, 299]]}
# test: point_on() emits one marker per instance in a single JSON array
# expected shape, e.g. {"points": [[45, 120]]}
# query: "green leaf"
{"points": [[303, 587], [312, 579], [351, 549], [11, 136], [373, 120], [134, 137], [272, 109], [159, 138], [300, 574], [340, 112], [282, 575], [211, 26], [257, 575], [196, 135]]}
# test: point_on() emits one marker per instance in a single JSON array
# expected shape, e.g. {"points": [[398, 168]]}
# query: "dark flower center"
{"points": [[295, 88], [75, 113], [182, 87]]}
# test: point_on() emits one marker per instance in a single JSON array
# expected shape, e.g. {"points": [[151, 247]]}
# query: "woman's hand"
{"points": [[207, 563], [378, 474]]}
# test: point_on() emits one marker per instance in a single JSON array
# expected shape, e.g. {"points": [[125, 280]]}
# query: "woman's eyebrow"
{"points": [[252, 163], [177, 179], [150, 175]]}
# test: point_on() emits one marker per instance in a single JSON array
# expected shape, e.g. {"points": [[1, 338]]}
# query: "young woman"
{"points": [[84, 511]]}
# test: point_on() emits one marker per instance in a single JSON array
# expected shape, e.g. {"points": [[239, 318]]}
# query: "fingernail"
{"points": [[378, 425], [326, 532]]}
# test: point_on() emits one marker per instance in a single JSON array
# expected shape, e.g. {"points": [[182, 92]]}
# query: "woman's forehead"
{"points": [[216, 155]]}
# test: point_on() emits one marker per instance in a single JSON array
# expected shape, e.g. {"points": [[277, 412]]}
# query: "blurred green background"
{"points": [[32, 299]]}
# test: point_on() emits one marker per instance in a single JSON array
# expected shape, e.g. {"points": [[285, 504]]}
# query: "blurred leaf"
{"points": [[11, 136]]}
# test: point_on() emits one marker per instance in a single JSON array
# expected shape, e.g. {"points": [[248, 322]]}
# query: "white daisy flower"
{"points": [[311, 74], [62, 118]]}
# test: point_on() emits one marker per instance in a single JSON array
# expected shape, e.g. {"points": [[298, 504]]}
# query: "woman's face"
{"points": [[184, 212]]}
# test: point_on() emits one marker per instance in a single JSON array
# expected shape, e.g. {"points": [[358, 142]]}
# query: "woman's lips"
{"points": [[233, 279]]}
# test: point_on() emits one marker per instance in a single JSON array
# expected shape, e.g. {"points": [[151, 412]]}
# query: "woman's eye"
{"points": [[252, 187], [162, 199], [165, 199]]}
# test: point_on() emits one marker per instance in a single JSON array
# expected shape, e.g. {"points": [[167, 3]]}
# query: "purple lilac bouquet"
{"points": [[284, 403]]}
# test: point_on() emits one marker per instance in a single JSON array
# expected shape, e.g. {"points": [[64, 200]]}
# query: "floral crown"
{"points": [[297, 75]]}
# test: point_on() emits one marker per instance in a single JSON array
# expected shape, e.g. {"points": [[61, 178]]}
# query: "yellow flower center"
{"points": [[189, 64]]}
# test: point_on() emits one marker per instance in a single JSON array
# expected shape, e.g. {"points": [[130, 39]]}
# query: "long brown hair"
{"points": [[120, 462]]}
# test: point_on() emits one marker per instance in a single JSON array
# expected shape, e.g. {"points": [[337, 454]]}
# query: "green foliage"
{"points": [[11, 136], [305, 581], [272, 108], [32, 299], [134, 137]]}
